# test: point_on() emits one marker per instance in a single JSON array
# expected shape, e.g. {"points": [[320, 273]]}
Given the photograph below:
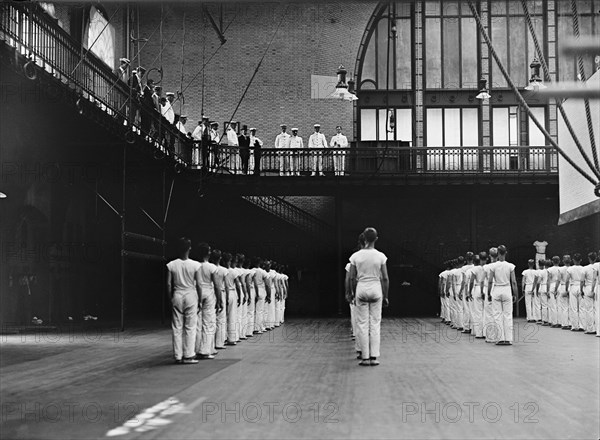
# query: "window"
{"points": [[450, 45], [374, 72], [589, 24], [375, 125], [453, 129], [101, 37], [512, 40], [505, 133], [537, 156]]}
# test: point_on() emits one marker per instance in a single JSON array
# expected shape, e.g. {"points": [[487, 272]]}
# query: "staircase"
{"points": [[290, 213]]}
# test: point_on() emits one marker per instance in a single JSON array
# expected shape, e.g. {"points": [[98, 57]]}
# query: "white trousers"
{"points": [[221, 331], [552, 309], [207, 323], [317, 161], [537, 306], [466, 322], [270, 319], [459, 309], [369, 301], [184, 321], [339, 159], [502, 309], [476, 310], [259, 317], [597, 307], [241, 317], [249, 325], [562, 303], [232, 316], [586, 308], [544, 305], [529, 303], [574, 299]]}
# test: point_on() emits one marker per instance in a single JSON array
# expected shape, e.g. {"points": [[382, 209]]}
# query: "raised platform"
{"points": [[302, 381]]}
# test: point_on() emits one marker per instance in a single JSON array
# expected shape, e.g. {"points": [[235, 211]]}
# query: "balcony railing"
{"points": [[36, 36], [383, 161]]}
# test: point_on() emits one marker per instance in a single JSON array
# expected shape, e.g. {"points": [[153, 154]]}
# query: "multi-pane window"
{"points": [[387, 63], [375, 124], [450, 45], [588, 14], [512, 40], [454, 129]]}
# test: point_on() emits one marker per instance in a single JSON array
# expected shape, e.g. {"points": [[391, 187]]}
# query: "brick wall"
{"points": [[314, 39]]}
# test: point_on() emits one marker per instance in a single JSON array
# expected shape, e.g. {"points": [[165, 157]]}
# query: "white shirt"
{"points": [[529, 276], [214, 135], [501, 273], [368, 264], [206, 270], [183, 274], [562, 271], [232, 139], [540, 246], [588, 274], [543, 274], [296, 142], [181, 127], [339, 141], [576, 273], [254, 139], [167, 112], [317, 140], [282, 140], [197, 134], [553, 275]]}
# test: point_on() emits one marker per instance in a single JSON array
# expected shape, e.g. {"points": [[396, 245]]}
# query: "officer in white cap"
{"points": [[123, 70], [233, 144], [339, 141], [295, 143], [317, 140], [282, 141]]}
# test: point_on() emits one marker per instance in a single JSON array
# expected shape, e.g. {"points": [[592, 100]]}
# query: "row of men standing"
{"points": [[221, 300], [564, 296], [289, 163], [477, 294]]}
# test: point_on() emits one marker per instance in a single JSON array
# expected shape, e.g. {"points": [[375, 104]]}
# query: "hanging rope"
{"points": [[586, 101], [203, 58], [520, 98], [257, 67], [559, 105], [182, 65]]}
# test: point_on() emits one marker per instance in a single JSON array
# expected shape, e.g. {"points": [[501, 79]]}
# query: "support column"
{"points": [[338, 239], [123, 238]]}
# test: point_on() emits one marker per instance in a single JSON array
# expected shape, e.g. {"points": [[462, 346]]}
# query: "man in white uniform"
{"points": [[232, 143], [477, 295], [231, 284], [490, 331], [208, 283], [596, 289], [181, 289], [458, 276], [528, 280], [540, 251], [587, 301], [296, 143], [222, 272], [542, 291], [573, 286], [282, 141], [443, 277], [553, 282], [502, 284], [563, 294], [339, 156], [317, 141], [466, 270]]}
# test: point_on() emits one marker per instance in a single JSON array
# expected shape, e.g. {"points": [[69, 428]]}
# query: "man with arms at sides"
{"points": [[490, 331], [457, 276], [587, 301], [181, 288], [370, 284], [476, 295], [563, 294], [502, 284], [229, 261], [528, 280], [207, 282], [466, 270], [573, 286], [553, 282], [244, 144], [542, 291]]}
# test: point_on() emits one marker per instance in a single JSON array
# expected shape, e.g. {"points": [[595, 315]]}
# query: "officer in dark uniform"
{"points": [[244, 144]]}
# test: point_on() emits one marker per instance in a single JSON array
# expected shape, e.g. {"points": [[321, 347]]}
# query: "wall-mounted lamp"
{"points": [[483, 90], [342, 91], [535, 82]]}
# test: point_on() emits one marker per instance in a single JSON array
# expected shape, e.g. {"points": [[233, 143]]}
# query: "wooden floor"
{"points": [[302, 381]]}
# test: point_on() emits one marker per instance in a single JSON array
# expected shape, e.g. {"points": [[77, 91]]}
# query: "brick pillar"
{"points": [[551, 61]]}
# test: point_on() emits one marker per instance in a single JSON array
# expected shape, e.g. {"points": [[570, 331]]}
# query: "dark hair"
{"points": [[361, 239], [476, 259], [469, 256], [531, 262], [483, 255], [215, 256], [256, 261], [370, 235], [502, 250], [592, 256], [556, 259], [226, 258], [184, 244], [203, 250], [577, 257], [460, 260]]}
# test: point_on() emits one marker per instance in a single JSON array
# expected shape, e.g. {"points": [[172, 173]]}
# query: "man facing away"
{"points": [[587, 301], [528, 280], [573, 286], [502, 284], [183, 293], [553, 282]]}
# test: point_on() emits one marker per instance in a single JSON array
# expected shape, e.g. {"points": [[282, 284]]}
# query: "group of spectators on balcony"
{"points": [[151, 111]]}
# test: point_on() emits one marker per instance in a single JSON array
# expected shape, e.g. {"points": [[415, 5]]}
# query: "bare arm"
{"points": [[513, 282], [218, 286], [347, 287], [385, 284], [170, 285], [353, 281]]}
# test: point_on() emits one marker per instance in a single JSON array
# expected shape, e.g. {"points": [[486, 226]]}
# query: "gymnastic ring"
{"points": [[30, 70], [160, 71], [178, 167], [130, 137], [159, 154], [597, 190]]}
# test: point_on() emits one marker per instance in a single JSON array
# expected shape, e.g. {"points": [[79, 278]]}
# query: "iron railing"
{"points": [[34, 35], [378, 160], [293, 215]]}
